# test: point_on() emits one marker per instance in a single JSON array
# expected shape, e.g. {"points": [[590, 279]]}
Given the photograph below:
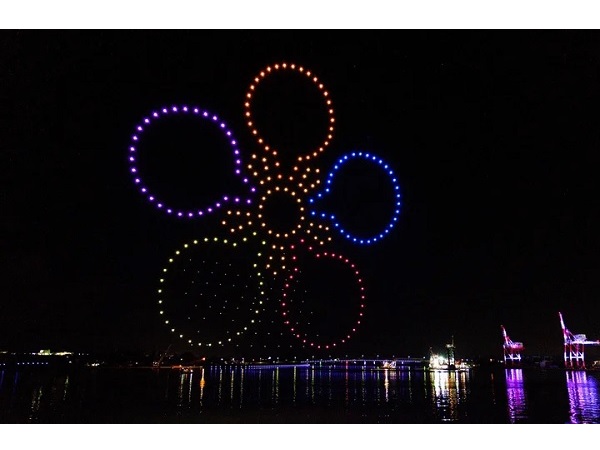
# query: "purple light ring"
{"points": [[184, 109]]}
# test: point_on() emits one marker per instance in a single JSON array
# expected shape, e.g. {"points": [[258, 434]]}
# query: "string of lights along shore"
{"points": [[208, 295]]}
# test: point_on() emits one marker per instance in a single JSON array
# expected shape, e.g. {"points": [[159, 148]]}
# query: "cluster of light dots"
{"points": [[338, 166], [285, 302], [228, 335], [271, 179], [277, 260], [153, 198], [240, 219], [307, 179], [259, 136]]}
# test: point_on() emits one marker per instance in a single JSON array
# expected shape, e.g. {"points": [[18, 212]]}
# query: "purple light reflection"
{"points": [[584, 403], [515, 394]]}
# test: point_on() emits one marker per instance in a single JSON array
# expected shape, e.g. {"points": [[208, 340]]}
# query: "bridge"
{"points": [[377, 362]]}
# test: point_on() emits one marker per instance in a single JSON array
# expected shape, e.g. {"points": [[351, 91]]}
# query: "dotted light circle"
{"points": [[153, 198], [244, 221], [337, 166], [295, 328], [259, 136], [241, 220], [262, 222], [228, 335]]}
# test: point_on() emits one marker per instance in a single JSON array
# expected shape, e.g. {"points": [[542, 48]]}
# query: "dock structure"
{"points": [[574, 347], [512, 350]]}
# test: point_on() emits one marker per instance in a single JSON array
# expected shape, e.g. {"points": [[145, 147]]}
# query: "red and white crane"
{"points": [[574, 346], [512, 350]]}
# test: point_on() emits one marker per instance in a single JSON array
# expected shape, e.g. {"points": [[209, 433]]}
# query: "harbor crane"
{"points": [[157, 363], [512, 350], [574, 346]]}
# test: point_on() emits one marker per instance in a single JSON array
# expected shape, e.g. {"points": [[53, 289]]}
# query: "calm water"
{"points": [[299, 395]]}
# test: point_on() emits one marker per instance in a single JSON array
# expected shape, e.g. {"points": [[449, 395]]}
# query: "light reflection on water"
{"points": [[584, 404], [203, 383], [298, 395], [449, 389], [35, 403], [515, 394]]}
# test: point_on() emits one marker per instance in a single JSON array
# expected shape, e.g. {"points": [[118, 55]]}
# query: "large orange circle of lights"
{"points": [[259, 136], [286, 301]]}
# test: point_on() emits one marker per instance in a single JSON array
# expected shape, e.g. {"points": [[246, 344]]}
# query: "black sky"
{"points": [[493, 135]]}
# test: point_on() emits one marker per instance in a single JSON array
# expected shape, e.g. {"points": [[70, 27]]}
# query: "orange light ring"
{"points": [[296, 228], [260, 139]]}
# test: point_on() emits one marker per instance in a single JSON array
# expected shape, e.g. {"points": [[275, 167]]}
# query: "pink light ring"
{"points": [[152, 198], [284, 302]]}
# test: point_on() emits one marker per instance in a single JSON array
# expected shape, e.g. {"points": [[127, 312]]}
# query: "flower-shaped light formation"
{"points": [[247, 298], [303, 230], [338, 166], [154, 198], [274, 180]]}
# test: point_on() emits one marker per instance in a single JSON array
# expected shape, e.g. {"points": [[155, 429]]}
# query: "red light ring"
{"points": [[285, 307]]}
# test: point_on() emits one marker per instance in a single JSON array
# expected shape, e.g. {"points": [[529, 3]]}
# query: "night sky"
{"points": [[493, 137]]}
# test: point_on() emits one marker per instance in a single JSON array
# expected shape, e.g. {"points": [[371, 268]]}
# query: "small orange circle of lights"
{"points": [[262, 219], [252, 91], [287, 300], [260, 224], [245, 218]]}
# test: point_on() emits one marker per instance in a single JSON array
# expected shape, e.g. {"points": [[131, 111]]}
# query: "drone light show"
{"points": [[369, 157], [207, 294], [254, 90], [211, 297], [154, 197], [291, 299]]}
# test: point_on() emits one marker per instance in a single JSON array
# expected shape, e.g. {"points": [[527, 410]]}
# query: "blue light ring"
{"points": [[313, 212]]}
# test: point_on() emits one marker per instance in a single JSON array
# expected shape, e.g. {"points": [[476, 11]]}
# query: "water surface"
{"points": [[298, 395]]}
